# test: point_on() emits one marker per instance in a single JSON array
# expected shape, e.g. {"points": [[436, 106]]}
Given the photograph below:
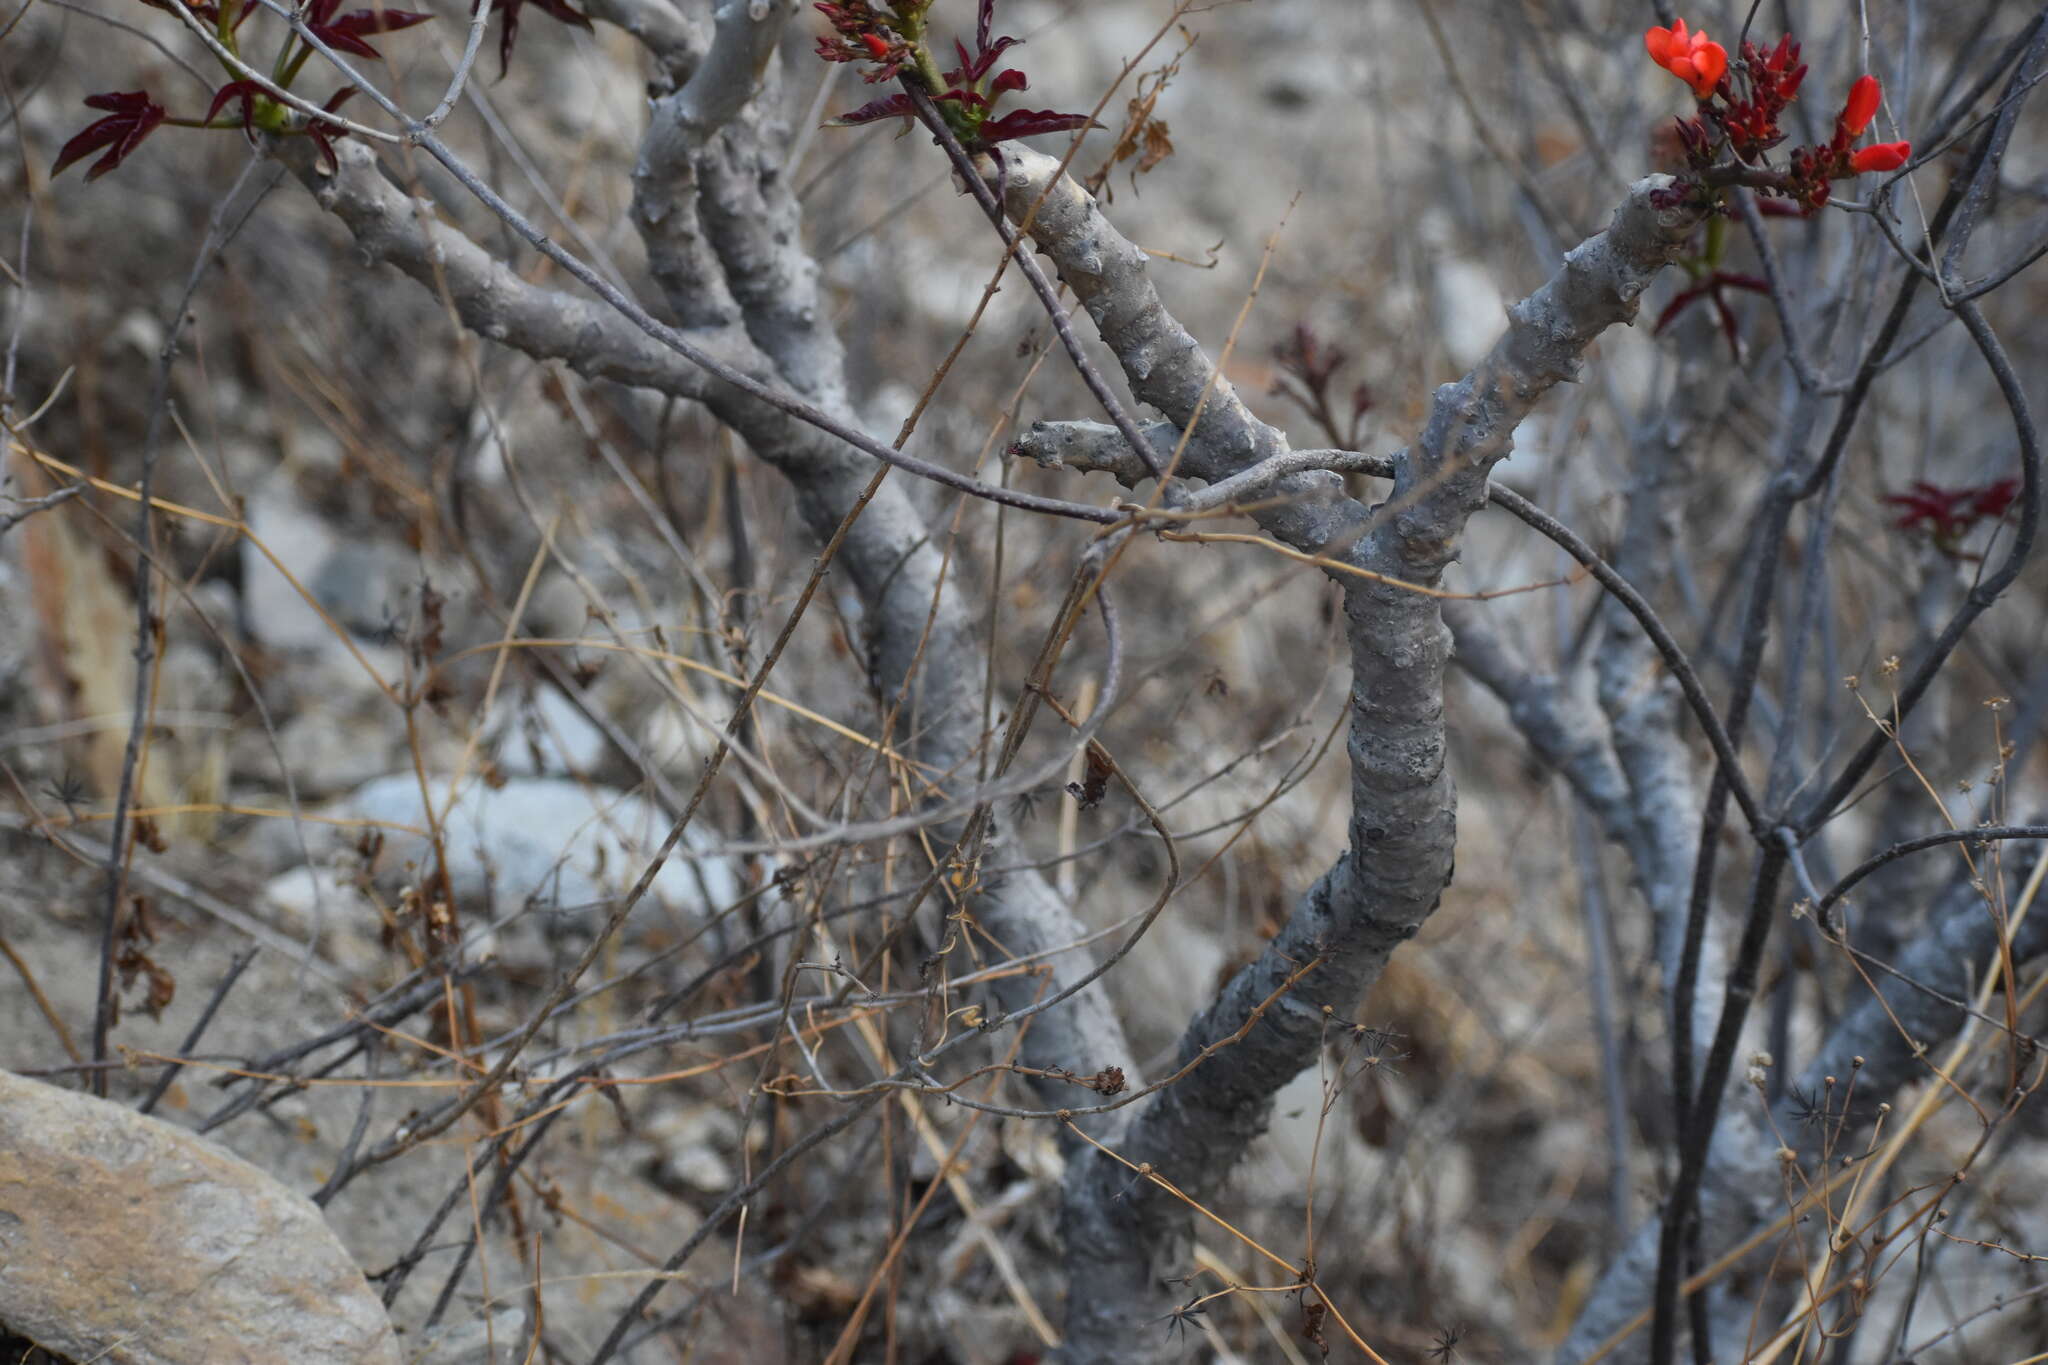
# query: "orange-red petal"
{"points": [[1710, 62], [1864, 97], [1881, 156]]}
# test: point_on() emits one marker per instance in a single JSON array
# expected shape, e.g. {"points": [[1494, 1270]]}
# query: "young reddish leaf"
{"points": [[323, 133], [1030, 123], [559, 10], [1949, 514], [1710, 288], [1731, 331], [132, 116], [345, 34], [874, 111], [246, 91], [1680, 301], [324, 141], [1993, 499], [986, 48], [985, 60], [209, 14]]}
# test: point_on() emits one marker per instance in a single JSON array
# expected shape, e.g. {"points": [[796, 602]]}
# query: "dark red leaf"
{"points": [[1948, 514], [985, 60], [1007, 81], [206, 13], [874, 111], [1925, 500], [1729, 328], [1030, 123], [246, 91], [986, 49], [322, 133], [1993, 499], [1684, 299], [132, 116], [346, 33], [559, 10]]}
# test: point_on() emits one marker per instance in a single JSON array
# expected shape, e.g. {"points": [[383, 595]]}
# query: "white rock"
{"points": [[546, 840], [1470, 309], [548, 735]]}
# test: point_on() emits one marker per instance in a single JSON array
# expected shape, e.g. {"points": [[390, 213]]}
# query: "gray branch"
{"points": [[1125, 1239], [1554, 714], [493, 301], [659, 27], [1165, 366], [927, 652], [1895, 1030]]}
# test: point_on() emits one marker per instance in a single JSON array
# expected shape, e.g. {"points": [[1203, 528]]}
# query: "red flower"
{"points": [[1864, 97], [1691, 57], [1881, 156]]}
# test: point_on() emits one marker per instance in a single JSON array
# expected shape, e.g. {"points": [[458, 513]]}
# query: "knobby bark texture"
{"points": [[1127, 1239], [720, 224]]}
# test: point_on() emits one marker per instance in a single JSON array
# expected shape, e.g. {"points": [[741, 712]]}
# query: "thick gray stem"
{"points": [[1127, 1238], [1897, 1032]]}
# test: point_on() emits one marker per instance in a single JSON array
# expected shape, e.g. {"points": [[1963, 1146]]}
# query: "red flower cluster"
{"points": [[1814, 167], [1752, 123], [1740, 109]]}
